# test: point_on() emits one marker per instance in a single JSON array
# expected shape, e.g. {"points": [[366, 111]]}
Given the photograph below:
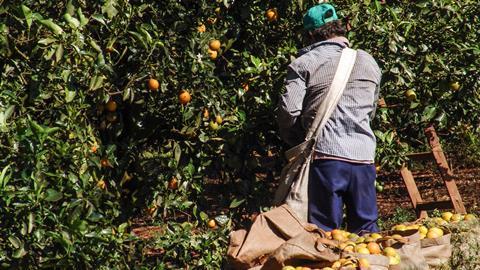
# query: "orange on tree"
{"points": [[111, 105], [153, 84], [211, 223], [214, 44], [184, 97], [206, 114], [173, 183], [219, 119], [454, 86], [271, 14], [411, 95], [212, 54], [105, 163], [201, 28], [245, 86], [101, 184], [213, 125]]}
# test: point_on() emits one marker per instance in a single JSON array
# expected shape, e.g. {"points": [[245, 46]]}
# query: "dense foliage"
{"points": [[76, 170]]}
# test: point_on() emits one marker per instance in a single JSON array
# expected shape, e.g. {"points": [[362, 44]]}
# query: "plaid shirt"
{"points": [[347, 134]]}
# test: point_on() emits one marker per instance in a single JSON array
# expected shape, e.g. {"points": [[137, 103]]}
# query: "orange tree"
{"points": [[121, 112]]}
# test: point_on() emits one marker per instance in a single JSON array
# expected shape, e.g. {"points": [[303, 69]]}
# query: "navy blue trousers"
{"points": [[335, 183]]}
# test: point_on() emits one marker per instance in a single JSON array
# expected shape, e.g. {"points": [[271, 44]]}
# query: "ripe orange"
{"points": [[211, 223], [201, 28], [109, 49], [455, 86], [374, 248], [94, 148], [219, 119], [105, 163], [363, 263], [206, 114], [213, 125], [271, 14], [245, 86], [101, 184], [212, 54], [153, 84], [173, 183], [111, 106], [184, 97], [214, 44], [211, 20]]}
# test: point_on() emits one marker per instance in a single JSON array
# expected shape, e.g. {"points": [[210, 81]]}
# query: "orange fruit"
{"points": [[245, 87], [105, 163], [111, 106], [212, 54], [173, 183], [153, 84], [201, 28], [271, 14], [363, 263], [94, 148], [184, 97], [214, 44], [211, 223], [211, 20], [455, 86], [151, 210], [213, 125], [109, 49], [206, 114], [219, 119], [101, 184], [374, 248]]}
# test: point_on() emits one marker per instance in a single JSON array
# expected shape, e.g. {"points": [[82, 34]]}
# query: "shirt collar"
{"points": [[340, 41]]}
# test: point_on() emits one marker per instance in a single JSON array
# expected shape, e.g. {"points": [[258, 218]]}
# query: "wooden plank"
{"points": [[421, 156], [445, 171], [412, 190], [435, 205]]}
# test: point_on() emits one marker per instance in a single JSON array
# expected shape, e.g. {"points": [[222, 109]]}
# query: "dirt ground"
{"points": [[431, 187]]}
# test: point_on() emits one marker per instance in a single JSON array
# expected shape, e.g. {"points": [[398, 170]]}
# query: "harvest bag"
{"points": [[293, 187]]}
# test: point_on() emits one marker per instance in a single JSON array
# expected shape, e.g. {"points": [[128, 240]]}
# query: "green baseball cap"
{"points": [[318, 16]]}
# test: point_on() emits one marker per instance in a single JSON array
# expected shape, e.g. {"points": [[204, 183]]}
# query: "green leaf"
{"points": [[27, 13], [3, 178], [69, 95], [236, 203], [109, 8], [31, 220], [52, 195], [59, 53], [73, 22], [16, 243], [19, 253], [203, 216], [57, 30], [83, 19]]}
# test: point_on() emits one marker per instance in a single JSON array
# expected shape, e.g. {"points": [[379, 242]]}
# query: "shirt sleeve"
{"points": [[290, 108]]}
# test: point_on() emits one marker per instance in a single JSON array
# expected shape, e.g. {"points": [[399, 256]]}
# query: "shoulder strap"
{"points": [[330, 101]]}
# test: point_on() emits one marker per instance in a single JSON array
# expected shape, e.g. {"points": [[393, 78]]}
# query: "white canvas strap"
{"points": [[330, 101]]}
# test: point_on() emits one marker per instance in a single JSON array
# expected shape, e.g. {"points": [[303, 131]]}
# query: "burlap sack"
{"points": [[377, 262], [269, 231], [437, 251], [309, 248], [408, 248]]}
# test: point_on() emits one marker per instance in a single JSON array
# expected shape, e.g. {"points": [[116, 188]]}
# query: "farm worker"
{"points": [[343, 170]]}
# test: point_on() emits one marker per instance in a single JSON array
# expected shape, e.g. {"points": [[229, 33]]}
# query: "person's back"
{"points": [[342, 170], [347, 133]]}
